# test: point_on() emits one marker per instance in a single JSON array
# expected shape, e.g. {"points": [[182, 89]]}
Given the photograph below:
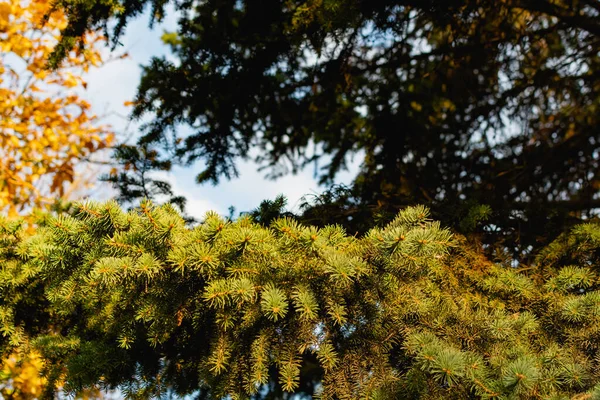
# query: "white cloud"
{"points": [[196, 204], [110, 86], [247, 191]]}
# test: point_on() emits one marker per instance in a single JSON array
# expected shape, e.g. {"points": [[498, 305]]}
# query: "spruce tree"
{"points": [[139, 301]]}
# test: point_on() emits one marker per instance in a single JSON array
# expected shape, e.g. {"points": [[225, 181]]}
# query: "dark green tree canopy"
{"points": [[493, 102]]}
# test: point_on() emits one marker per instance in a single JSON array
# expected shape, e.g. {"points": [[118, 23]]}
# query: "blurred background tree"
{"points": [[465, 105], [46, 127]]}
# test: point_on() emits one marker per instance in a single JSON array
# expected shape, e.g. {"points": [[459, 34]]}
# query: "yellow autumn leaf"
{"points": [[5, 11], [14, 140], [416, 106], [70, 81]]}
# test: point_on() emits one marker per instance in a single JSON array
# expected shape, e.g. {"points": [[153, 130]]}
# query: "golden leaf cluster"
{"points": [[46, 127], [20, 377]]}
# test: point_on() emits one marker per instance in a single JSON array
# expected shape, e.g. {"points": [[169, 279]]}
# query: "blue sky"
{"points": [[115, 82]]}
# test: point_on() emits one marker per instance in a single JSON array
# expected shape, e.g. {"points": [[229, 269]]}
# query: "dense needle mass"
{"points": [[139, 301]]}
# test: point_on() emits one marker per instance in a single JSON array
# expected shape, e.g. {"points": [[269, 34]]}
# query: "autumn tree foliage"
{"points": [[46, 126], [20, 376], [140, 301]]}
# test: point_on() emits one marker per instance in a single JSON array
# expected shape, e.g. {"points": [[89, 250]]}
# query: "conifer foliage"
{"points": [[138, 300]]}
